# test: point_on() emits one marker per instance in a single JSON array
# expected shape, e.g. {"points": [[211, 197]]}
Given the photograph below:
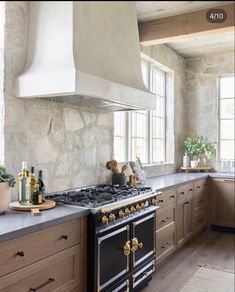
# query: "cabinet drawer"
{"points": [[165, 216], [200, 217], [184, 191], [58, 272], [200, 184], [165, 240], [200, 201], [18, 253], [166, 198]]}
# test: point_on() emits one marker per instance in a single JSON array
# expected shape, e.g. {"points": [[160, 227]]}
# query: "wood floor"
{"points": [[215, 249]]}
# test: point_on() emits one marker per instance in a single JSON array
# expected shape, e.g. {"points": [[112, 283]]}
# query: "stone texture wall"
{"points": [[2, 18], [173, 61], [202, 94], [70, 144]]}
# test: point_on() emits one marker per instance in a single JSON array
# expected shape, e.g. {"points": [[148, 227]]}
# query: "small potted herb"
{"points": [[199, 149], [7, 181]]}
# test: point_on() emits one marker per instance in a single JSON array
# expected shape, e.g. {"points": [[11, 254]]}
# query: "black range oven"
{"points": [[121, 257], [121, 235]]}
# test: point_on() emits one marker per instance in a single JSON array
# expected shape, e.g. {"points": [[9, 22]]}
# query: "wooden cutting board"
{"points": [[49, 204]]}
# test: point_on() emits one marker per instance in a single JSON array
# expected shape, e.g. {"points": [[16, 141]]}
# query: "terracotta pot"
{"points": [[5, 196]]}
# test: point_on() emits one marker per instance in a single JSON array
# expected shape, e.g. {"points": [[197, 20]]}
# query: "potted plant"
{"points": [[7, 181], [199, 149]]}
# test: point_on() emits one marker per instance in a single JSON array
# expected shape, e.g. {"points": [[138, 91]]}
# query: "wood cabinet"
{"points": [[53, 259], [184, 213], [166, 224], [223, 203]]}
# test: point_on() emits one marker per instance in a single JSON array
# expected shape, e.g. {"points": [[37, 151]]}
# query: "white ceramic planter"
{"points": [[5, 196], [193, 163]]}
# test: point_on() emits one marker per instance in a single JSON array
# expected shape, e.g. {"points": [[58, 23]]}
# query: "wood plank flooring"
{"points": [[215, 249]]}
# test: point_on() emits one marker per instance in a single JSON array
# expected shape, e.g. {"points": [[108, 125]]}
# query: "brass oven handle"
{"points": [[136, 244], [127, 248]]}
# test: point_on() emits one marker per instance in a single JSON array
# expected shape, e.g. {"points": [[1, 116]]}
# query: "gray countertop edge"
{"points": [[181, 183], [179, 179], [42, 225]]}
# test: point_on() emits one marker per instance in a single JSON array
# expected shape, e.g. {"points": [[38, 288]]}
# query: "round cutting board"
{"points": [[49, 204]]}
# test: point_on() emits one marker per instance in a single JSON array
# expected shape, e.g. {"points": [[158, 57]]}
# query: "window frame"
{"points": [[149, 121], [219, 158]]}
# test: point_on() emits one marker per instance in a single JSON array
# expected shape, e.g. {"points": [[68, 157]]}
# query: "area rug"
{"points": [[210, 280]]}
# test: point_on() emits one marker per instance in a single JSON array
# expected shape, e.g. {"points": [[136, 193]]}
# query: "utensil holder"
{"points": [[119, 179]]}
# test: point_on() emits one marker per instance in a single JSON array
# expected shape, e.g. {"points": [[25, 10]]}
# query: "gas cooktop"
{"points": [[93, 197]]}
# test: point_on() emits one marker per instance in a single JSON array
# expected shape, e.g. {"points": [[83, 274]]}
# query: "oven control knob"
{"points": [[133, 209], [154, 202], [138, 207], [112, 217], [121, 214], [105, 220], [142, 205], [127, 212]]}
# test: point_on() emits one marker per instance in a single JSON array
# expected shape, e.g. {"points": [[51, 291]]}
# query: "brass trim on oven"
{"points": [[126, 269], [134, 263], [126, 202], [146, 274]]}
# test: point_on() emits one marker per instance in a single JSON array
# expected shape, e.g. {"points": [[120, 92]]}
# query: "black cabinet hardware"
{"points": [[172, 196], [65, 236], [50, 280], [20, 253]]}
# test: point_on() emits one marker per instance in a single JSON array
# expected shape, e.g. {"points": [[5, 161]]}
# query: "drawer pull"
{"points": [[186, 203], [50, 280], [20, 253], [198, 187], [165, 220], [191, 190], [172, 197], [182, 193], [65, 236], [160, 201]]}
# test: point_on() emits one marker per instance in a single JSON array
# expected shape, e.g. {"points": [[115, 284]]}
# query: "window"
{"points": [[142, 133], [226, 117]]}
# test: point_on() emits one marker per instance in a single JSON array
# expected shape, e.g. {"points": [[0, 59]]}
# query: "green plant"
{"points": [[6, 177], [199, 145]]}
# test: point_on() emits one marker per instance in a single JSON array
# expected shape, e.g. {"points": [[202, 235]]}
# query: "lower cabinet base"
{"points": [[223, 229]]}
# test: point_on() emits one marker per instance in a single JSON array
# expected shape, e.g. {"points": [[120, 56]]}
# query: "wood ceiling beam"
{"points": [[184, 26]]}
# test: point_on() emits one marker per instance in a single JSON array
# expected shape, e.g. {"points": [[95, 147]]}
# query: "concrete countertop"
{"points": [[15, 224], [165, 182]]}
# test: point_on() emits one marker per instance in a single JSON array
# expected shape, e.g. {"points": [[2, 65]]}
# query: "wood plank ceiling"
{"points": [[189, 45]]}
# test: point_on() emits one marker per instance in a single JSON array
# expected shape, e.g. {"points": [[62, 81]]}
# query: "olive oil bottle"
{"points": [[32, 183]]}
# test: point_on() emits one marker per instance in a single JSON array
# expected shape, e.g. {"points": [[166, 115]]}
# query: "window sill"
{"points": [[157, 164]]}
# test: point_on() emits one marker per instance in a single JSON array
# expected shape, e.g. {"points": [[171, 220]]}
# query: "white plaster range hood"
{"points": [[84, 53]]}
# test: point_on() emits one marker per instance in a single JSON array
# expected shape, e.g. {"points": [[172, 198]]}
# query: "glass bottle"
{"points": [[32, 182], [24, 185]]}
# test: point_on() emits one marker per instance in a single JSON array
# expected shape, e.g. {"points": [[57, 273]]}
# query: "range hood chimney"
{"points": [[85, 53]]}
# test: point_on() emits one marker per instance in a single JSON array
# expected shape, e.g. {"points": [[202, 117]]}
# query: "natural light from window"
{"points": [[142, 133], [226, 117]]}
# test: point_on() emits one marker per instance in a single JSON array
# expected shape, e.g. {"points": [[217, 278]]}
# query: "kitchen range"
{"points": [[121, 240]]}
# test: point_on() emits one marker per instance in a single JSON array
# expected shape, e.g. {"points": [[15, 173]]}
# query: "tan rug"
{"points": [[210, 280]]}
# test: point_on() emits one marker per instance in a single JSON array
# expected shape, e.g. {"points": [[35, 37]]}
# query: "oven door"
{"points": [[113, 256], [143, 239]]}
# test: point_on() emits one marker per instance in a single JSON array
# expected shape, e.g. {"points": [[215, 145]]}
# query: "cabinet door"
{"points": [[222, 211], [180, 222], [188, 217]]}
